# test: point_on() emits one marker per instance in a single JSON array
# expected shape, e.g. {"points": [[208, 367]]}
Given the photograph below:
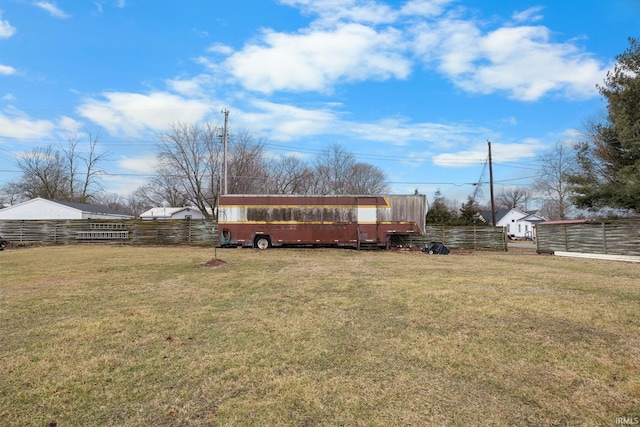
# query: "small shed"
{"points": [[185, 212], [43, 209]]}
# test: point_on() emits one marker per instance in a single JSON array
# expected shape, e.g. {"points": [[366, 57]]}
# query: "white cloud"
{"points": [[124, 185], [280, 122], [332, 11], [500, 152], [7, 70], [53, 10], [6, 29], [220, 48], [69, 125], [315, 60], [521, 61], [529, 15], [131, 114], [452, 44], [20, 126], [140, 164], [426, 8], [346, 44], [460, 159], [133, 173], [193, 87], [99, 4], [285, 122], [402, 132]]}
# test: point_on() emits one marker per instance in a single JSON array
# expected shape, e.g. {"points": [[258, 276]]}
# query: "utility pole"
{"points": [[225, 138], [493, 206]]}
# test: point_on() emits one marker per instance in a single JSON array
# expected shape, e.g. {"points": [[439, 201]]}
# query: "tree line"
{"points": [[598, 172], [190, 172]]}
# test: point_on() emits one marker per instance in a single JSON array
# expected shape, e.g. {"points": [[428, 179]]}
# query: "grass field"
{"points": [[125, 336]]}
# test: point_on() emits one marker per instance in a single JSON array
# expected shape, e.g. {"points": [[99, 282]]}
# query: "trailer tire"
{"points": [[262, 242]]}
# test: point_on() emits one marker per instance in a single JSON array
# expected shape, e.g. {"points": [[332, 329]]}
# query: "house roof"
{"points": [[568, 221], [534, 217], [85, 207], [530, 216], [500, 213], [166, 212]]}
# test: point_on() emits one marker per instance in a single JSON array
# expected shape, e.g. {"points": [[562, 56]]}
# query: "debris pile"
{"points": [[214, 262]]}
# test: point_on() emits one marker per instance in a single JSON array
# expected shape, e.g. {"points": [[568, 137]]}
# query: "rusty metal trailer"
{"points": [[362, 222]]}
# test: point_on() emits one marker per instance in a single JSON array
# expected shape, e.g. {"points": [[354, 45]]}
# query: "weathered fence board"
{"points": [[462, 237], [620, 237], [131, 232]]}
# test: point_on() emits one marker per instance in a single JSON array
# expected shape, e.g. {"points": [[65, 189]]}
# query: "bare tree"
{"points": [[556, 166], [336, 171], [248, 172], [290, 175], [189, 163], [133, 204], [366, 179], [83, 172], [333, 169], [164, 187], [513, 197], [190, 167], [11, 193], [60, 172], [43, 174], [191, 159]]}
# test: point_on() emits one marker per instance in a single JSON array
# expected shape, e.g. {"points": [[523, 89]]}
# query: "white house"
{"points": [[519, 224], [172, 213], [44, 209]]}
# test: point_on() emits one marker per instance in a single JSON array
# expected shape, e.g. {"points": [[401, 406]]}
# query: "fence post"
{"points": [[504, 240], [604, 237], [475, 237]]}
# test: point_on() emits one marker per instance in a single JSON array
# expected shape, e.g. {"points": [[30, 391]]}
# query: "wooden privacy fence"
{"points": [[461, 237], [130, 232], [619, 237], [205, 233]]}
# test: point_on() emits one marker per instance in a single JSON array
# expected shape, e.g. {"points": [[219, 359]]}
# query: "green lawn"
{"points": [[124, 336]]}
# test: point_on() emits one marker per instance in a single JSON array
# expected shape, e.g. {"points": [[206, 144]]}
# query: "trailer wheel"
{"points": [[262, 242]]}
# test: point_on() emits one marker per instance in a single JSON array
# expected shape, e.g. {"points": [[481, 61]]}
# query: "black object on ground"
{"points": [[436, 248]]}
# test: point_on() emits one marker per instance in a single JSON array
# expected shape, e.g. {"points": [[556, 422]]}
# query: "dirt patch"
{"points": [[214, 262]]}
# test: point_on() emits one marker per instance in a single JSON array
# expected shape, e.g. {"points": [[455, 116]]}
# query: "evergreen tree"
{"points": [[439, 213], [470, 213], [609, 160]]}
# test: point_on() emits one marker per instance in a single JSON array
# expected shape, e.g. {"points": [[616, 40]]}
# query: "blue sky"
{"points": [[414, 87]]}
